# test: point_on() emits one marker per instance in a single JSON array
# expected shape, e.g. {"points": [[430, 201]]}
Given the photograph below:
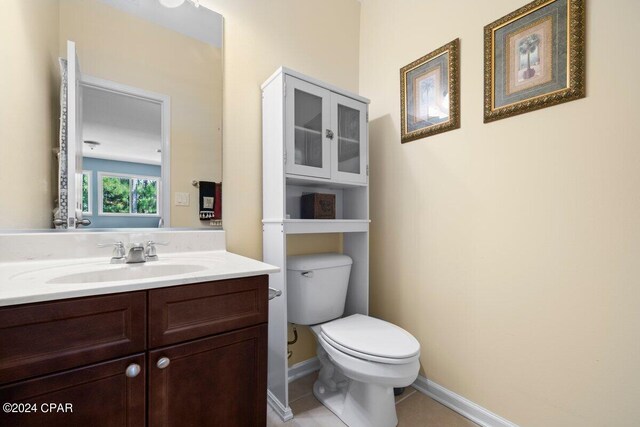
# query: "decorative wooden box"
{"points": [[318, 206]]}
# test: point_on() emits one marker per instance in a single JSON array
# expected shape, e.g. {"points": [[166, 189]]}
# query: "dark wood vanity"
{"points": [[190, 355]]}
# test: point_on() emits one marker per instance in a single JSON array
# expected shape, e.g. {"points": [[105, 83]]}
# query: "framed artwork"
{"points": [[430, 93], [534, 58]]}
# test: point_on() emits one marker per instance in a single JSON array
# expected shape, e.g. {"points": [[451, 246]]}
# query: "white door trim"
{"points": [[74, 137], [165, 104]]}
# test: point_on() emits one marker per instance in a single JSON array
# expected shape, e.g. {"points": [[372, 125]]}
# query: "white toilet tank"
{"points": [[317, 287]]}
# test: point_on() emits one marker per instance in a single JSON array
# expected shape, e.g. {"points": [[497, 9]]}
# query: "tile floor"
{"points": [[414, 410]]}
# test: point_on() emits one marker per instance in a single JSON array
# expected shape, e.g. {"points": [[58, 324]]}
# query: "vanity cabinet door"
{"points": [[106, 394], [308, 131], [216, 381]]}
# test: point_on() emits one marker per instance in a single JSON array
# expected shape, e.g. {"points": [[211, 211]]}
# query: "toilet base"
{"points": [[356, 403], [360, 404]]}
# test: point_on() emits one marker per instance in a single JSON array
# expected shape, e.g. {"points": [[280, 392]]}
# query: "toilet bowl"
{"points": [[362, 358]]}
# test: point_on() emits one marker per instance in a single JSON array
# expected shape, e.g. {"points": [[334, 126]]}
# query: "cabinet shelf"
{"points": [[353, 141], [321, 182], [316, 226], [304, 129]]}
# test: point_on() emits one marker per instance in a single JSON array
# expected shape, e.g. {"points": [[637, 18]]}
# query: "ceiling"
{"points": [[128, 128], [200, 23]]}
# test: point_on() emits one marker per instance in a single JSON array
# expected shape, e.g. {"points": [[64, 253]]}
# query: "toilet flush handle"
{"points": [[308, 274], [273, 293]]}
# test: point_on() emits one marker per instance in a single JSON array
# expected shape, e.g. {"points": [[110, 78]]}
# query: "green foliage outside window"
{"points": [[85, 193], [145, 196], [115, 194], [129, 195]]}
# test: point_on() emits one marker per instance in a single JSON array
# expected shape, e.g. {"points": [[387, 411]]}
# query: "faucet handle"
{"points": [[119, 251], [107, 245], [153, 243], [150, 251]]}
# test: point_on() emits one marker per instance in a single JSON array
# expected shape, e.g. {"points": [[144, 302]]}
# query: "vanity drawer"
{"points": [[187, 312], [40, 338]]}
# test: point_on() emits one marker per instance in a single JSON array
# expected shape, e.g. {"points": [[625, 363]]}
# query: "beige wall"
{"points": [[116, 46], [515, 256], [315, 37], [28, 112]]}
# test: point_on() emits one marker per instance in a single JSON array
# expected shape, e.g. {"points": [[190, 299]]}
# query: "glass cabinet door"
{"points": [[349, 156], [307, 125]]}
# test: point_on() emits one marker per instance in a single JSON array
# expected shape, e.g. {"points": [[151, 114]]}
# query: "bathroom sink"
{"points": [[43, 280], [128, 272]]}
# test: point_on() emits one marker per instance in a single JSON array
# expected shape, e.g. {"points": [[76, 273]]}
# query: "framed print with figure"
{"points": [[534, 58], [430, 93]]}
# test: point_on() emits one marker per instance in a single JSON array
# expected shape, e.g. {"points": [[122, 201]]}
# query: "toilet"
{"points": [[362, 358]]}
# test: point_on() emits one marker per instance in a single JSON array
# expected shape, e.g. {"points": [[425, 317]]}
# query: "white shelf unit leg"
{"points": [[356, 245], [274, 246]]}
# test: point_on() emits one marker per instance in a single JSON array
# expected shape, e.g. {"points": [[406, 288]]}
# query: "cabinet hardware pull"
{"points": [[329, 134], [132, 370], [163, 362]]}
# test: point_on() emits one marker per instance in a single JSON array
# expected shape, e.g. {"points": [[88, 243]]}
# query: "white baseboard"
{"points": [[303, 368], [283, 412], [459, 404], [296, 371]]}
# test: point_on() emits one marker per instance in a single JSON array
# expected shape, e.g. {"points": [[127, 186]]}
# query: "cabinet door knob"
{"points": [[329, 134], [132, 370], [163, 362]]}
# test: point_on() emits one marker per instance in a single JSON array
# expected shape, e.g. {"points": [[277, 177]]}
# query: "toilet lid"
{"points": [[370, 336]]}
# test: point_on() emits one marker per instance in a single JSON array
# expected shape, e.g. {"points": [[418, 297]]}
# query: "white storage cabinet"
{"points": [[315, 140]]}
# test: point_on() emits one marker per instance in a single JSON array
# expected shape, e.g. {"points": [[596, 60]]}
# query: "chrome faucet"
{"points": [[136, 253]]}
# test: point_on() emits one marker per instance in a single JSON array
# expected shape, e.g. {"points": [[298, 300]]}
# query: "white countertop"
{"points": [[34, 281]]}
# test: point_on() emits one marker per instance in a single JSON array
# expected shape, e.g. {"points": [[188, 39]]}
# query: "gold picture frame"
{"points": [[530, 62], [427, 105]]}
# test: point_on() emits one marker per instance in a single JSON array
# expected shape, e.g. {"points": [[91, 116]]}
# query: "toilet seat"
{"points": [[368, 357], [371, 339], [368, 371]]}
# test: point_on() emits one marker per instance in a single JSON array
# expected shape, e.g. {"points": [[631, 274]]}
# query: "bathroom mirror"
{"points": [[112, 114]]}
